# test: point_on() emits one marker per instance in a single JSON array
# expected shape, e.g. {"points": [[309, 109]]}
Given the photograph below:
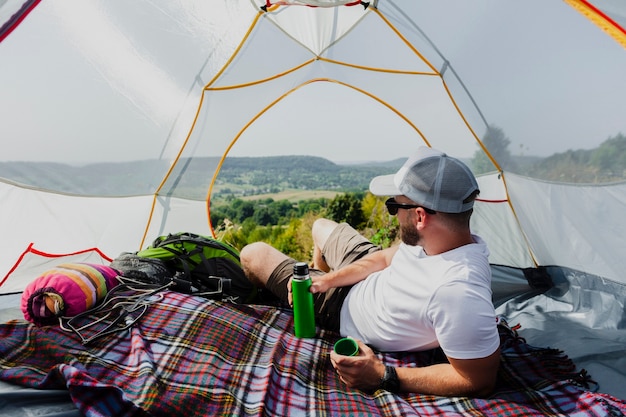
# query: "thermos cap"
{"points": [[301, 269]]}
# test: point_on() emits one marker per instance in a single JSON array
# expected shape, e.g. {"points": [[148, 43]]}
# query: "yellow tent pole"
{"points": [[467, 124], [273, 103], [608, 25], [191, 129], [345, 64], [407, 43]]}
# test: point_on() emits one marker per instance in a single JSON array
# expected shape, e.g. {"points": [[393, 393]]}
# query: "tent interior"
{"points": [[161, 86]]}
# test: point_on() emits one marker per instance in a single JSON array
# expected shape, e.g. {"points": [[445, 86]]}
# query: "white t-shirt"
{"points": [[420, 302]]}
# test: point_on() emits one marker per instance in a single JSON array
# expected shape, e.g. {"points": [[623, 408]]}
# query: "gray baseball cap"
{"points": [[432, 179]]}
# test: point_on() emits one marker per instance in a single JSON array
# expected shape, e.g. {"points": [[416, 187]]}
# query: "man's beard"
{"points": [[410, 235]]}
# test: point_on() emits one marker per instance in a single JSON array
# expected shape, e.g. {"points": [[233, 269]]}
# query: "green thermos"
{"points": [[303, 313]]}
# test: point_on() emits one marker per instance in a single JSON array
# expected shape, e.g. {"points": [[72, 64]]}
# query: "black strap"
{"points": [[188, 282], [197, 239]]}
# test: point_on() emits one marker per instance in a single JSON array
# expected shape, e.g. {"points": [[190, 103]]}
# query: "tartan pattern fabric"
{"points": [[189, 356]]}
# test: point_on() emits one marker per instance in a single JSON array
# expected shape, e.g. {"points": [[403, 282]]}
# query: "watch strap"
{"points": [[390, 381]]}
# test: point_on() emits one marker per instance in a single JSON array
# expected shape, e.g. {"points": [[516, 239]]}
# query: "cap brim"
{"points": [[384, 185]]}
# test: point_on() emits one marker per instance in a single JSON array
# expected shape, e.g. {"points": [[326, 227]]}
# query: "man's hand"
{"points": [[471, 377], [289, 292], [321, 283], [363, 372], [318, 284]]}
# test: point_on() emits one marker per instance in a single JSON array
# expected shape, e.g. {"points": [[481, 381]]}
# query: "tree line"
{"points": [[606, 163], [287, 226]]}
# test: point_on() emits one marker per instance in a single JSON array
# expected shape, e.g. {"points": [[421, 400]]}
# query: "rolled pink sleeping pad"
{"points": [[67, 290]]}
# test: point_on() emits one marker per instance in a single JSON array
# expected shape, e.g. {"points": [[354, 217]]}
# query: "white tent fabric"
{"points": [[113, 225], [562, 224], [582, 242], [107, 81]]}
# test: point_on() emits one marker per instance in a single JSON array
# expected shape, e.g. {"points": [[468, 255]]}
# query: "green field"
{"points": [[293, 195]]}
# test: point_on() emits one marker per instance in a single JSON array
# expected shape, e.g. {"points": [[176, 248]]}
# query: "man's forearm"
{"points": [[443, 379], [358, 270], [440, 379]]}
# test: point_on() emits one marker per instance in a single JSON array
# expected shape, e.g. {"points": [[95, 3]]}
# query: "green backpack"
{"points": [[202, 266]]}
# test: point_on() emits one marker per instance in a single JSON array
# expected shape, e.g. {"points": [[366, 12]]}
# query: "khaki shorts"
{"points": [[344, 246]]}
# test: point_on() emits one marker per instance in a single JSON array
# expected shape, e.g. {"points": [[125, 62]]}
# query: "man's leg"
{"points": [[267, 267], [337, 244], [321, 230], [259, 260]]}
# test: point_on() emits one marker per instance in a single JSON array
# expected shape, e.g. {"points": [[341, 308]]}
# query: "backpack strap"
{"points": [[199, 240]]}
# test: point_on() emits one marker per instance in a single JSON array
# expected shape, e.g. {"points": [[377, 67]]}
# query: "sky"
{"points": [[107, 81]]}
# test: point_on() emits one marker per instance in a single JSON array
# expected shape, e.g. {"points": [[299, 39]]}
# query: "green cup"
{"points": [[346, 346]]}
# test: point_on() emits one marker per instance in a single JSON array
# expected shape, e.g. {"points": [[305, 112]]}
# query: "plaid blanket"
{"points": [[189, 356]]}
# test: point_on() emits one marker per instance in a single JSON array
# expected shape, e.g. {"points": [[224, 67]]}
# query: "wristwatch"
{"points": [[390, 381]]}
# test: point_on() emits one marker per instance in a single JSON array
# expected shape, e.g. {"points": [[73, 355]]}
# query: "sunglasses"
{"points": [[393, 207]]}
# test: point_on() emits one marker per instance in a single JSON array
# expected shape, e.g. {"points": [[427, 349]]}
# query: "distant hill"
{"points": [[606, 163], [249, 176], [239, 176]]}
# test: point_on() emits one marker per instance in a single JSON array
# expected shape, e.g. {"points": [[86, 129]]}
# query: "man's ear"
{"points": [[421, 218]]}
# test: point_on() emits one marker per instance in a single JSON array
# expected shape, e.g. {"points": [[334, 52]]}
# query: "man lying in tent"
{"points": [[433, 290]]}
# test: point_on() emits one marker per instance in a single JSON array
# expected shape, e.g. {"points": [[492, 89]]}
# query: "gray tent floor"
{"points": [[581, 315]]}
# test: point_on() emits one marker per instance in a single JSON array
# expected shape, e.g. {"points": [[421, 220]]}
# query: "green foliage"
{"points": [[264, 212], [384, 237], [314, 205], [232, 234], [295, 239], [381, 228], [294, 236], [375, 211], [347, 208]]}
